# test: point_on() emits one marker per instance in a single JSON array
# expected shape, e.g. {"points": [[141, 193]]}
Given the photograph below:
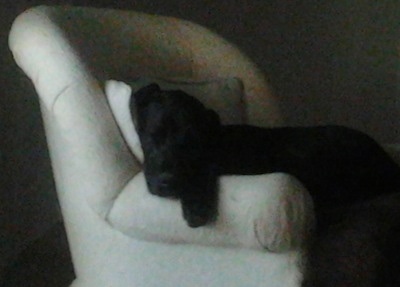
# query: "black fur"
{"points": [[186, 149], [339, 166], [175, 132]]}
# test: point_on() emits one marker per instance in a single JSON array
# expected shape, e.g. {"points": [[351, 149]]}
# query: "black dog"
{"points": [[176, 132], [186, 149]]}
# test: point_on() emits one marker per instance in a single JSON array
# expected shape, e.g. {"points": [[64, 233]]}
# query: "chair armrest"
{"points": [[90, 159], [272, 212]]}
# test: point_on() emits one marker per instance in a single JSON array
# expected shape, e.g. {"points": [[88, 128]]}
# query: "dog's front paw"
{"points": [[198, 214]]}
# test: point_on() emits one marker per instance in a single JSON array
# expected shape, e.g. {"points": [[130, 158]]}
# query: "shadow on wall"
{"points": [[28, 204], [342, 66], [329, 62]]}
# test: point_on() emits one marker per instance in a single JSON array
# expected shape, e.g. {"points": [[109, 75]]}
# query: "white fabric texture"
{"points": [[68, 52], [269, 212]]}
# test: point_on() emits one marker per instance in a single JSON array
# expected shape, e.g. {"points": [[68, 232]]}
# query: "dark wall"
{"points": [[27, 200], [329, 63], [336, 62]]}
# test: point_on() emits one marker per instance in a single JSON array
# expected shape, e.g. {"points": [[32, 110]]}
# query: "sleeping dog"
{"points": [[186, 148]]}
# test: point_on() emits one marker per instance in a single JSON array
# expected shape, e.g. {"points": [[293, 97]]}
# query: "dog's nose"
{"points": [[162, 185], [163, 180]]}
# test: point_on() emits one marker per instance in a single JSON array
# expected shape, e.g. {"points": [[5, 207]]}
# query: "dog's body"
{"points": [[338, 165], [186, 149]]}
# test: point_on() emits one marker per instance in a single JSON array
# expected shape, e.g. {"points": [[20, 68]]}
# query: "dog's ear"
{"points": [[213, 118], [142, 96], [212, 125], [141, 99]]}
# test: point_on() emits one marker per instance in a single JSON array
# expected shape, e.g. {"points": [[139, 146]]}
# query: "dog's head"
{"points": [[176, 133]]}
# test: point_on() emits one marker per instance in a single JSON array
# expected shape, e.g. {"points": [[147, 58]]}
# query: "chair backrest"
{"points": [[126, 44]]}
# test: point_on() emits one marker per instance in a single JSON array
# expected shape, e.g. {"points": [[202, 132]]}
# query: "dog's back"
{"points": [[338, 165]]}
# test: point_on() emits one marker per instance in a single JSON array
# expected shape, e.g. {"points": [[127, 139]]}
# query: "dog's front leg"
{"points": [[200, 199]]}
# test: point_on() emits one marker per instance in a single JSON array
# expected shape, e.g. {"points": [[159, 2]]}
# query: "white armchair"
{"points": [[69, 53]]}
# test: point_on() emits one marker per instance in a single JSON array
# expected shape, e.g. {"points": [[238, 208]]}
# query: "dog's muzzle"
{"points": [[162, 185]]}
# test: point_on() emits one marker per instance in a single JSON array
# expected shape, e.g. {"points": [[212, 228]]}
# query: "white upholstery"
{"points": [[68, 53]]}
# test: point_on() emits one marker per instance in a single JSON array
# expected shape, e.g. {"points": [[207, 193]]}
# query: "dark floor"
{"points": [[45, 263]]}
